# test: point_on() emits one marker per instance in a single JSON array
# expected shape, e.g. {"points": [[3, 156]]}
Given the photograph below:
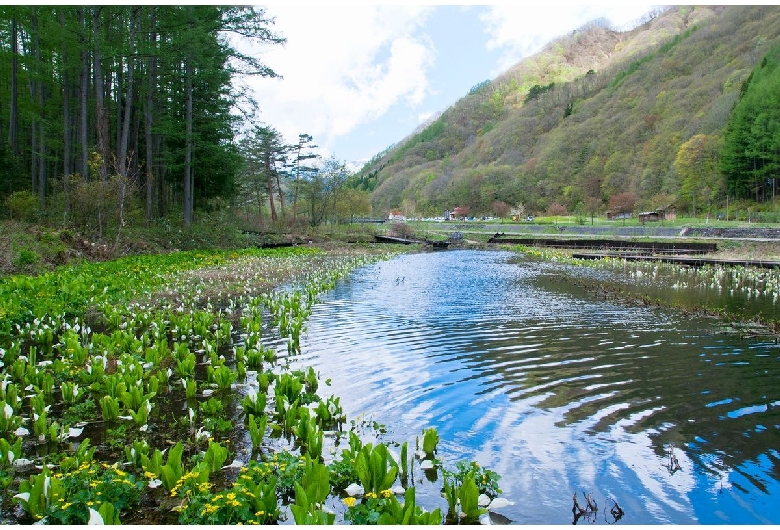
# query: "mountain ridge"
{"points": [[595, 113]]}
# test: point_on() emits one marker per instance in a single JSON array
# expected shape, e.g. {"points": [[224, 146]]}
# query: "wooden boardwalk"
{"points": [[681, 260], [653, 247], [404, 241]]}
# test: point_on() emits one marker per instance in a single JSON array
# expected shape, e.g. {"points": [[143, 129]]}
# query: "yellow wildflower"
{"points": [[386, 493], [349, 501]]}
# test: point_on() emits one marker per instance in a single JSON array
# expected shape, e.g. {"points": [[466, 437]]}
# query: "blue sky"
{"points": [[359, 78]]}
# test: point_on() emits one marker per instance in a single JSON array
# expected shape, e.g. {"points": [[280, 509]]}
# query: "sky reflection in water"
{"points": [[559, 393]]}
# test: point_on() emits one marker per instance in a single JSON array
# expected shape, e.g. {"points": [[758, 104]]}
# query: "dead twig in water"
{"points": [[615, 511], [589, 513], [673, 466]]}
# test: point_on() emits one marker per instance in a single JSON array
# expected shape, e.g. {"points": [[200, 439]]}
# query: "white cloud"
{"points": [[521, 30], [342, 66], [422, 117], [346, 66]]}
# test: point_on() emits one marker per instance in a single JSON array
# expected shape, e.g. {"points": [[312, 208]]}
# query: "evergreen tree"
{"points": [[750, 158]]}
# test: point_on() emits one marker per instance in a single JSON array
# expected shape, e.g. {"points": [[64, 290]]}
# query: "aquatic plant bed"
{"points": [[158, 390], [743, 294]]}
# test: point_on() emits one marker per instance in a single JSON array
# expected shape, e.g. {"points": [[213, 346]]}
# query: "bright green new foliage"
{"points": [[375, 468]]}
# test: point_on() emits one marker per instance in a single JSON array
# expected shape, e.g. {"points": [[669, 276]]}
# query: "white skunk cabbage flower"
{"points": [[499, 502], [95, 517], [354, 490]]}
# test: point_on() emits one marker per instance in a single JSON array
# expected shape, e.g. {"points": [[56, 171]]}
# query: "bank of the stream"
{"points": [[157, 389], [744, 300]]}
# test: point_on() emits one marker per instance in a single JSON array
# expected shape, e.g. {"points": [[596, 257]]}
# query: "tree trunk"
{"points": [[83, 126], [14, 110], [101, 118], [66, 130], [148, 116], [125, 136], [188, 193], [39, 89], [281, 196], [270, 174]]}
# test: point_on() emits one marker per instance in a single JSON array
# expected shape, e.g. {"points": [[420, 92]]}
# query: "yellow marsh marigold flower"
{"points": [[386, 493], [371, 495], [349, 501]]}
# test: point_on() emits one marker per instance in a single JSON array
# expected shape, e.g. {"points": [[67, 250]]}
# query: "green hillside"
{"points": [[600, 113]]}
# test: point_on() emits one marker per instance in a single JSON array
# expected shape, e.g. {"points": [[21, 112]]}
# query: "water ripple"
{"points": [[555, 391]]}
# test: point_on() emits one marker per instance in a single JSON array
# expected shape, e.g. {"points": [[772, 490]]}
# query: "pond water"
{"points": [[556, 391]]}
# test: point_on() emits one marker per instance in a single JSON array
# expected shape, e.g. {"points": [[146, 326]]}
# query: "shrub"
{"points": [[26, 258], [22, 205]]}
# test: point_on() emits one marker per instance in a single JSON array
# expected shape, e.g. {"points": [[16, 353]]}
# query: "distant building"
{"points": [[650, 216], [612, 216], [396, 216], [659, 214]]}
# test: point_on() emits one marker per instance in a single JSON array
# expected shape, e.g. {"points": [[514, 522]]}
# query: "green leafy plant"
{"points": [[430, 441], [172, 471], [329, 413], [215, 457], [71, 503], [84, 411], [71, 393], [254, 403], [110, 408], [8, 420], [9, 452], [310, 493], [452, 495], [212, 407], [289, 387], [249, 501], [257, 430], [404, 463], [137, 453], [186, 367], [485, 479], [254, 358], [468, 496], [384, 509], [141, 416], [375, 468], [190, 387], [222, 376], [37, 492]]}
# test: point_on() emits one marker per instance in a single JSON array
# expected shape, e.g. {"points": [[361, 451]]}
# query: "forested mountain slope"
{"points": [[595, 114]]}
